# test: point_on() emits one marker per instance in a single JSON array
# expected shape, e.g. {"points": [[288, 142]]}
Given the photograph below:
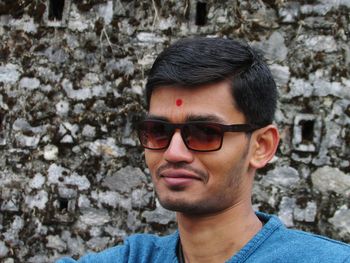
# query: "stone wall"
{"points": [[72, 75]]}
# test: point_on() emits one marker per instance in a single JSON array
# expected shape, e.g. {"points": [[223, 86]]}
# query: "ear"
{"points": [[265, 142]]}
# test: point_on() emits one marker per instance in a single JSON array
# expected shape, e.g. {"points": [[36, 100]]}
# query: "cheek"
{"points": [[220, 166], [152, 159]]}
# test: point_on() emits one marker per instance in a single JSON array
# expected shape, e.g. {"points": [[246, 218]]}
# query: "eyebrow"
{"points": [[190, 118]]}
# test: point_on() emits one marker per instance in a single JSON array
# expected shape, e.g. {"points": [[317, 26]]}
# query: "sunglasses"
{"points": [[198, 136]]}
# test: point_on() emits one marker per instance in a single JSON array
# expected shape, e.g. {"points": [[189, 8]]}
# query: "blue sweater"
{"points": [[273, 243]]}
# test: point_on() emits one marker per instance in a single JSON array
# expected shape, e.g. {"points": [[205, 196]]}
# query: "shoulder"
{"points": [[303, 246], [317, 242], [136, 248]]}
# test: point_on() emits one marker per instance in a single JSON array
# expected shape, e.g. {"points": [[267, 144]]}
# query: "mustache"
{"points": [[182, 165]]}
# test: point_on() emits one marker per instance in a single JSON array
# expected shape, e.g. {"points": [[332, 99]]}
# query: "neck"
{"points": [[217, 237]]}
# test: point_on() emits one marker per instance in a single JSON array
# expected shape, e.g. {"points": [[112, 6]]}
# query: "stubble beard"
{"points": [[214, 204]]}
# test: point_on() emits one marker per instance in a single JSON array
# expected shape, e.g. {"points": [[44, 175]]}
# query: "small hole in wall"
{"points": [[201, 13], [307, 131], [56, 9], [63, 203]]}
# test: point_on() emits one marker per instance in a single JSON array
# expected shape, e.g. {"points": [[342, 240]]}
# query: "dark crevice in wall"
{"points": [[63, 203], [56, 9], [201, 13], [307, 131]]}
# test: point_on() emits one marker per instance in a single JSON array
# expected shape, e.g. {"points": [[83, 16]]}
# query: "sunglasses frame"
{"points": [[247, 128]]}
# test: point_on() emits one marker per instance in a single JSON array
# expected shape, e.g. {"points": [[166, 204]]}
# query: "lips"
{"points": [[176, 178]]}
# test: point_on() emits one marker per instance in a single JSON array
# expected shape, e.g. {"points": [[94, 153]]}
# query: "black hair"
{"points": [[193, 62]]}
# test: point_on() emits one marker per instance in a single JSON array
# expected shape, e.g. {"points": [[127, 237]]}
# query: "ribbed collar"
{"points": [[167, 246]]}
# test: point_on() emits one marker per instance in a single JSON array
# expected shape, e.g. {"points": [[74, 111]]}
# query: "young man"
{"points": [[211, 104]]}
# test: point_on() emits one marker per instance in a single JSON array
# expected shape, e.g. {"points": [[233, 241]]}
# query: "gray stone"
{"points": [[68, 139], [37, 181], [115, 232], [285, 177], [319, 9], [98, 243], [341, 221], [125, 180], [67, 193], [290, 12], [281, 74], [324, 6], [11, 235], [48, 75], [95, 231], [50, 152], [22, 124], [39, 200], [56, 55], [318, 43], [79, 108], [166, 23], [78, 180], [325, 88], [299, 87], [29, 83], [55, 242], [147, 37], [94, 217], [55, 172], [106, 148], [302, 159], [308, 214], [61, 177], [76, 244], [62, 108], [141, 198], [275, 48], [89, 80], [89, 131], [3, 105], [106, 11], [124, 65], [9, 73], [27, 141], [25, 23], [112, 198], [330, 179], [132, 221], [69, 129], [10, 200], [76, 21], [318, 22], [3, 249], [76, 94], [159, 215], [39, 259], [286, 209], [84, 201]]}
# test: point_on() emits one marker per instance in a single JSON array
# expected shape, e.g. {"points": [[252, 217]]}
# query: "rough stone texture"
{"points": [[72, 173]]}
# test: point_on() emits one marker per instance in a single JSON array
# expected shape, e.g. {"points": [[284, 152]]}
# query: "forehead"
{"points": [[177, 103]]}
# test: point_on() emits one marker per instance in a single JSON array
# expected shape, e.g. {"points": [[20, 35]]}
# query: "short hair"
{"points": [[198, 61]]}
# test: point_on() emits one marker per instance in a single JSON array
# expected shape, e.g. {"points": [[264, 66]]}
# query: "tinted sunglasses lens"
{"points": [[203, 136], [154, 135]]}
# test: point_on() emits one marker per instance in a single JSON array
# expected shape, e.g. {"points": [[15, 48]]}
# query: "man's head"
{"points": [[198, 61], [197, 148]]}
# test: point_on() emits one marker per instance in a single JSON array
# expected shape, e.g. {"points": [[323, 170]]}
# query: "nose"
{"points": [[177, 150]]}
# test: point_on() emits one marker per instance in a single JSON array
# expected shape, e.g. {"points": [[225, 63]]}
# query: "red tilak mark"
{"points": [[178, 102]]}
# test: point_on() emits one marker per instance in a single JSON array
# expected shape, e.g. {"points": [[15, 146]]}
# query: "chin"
{"points": [[187, 207]]}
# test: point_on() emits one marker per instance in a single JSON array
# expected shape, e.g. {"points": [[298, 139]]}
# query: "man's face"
{"points": [[199, 182]]}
